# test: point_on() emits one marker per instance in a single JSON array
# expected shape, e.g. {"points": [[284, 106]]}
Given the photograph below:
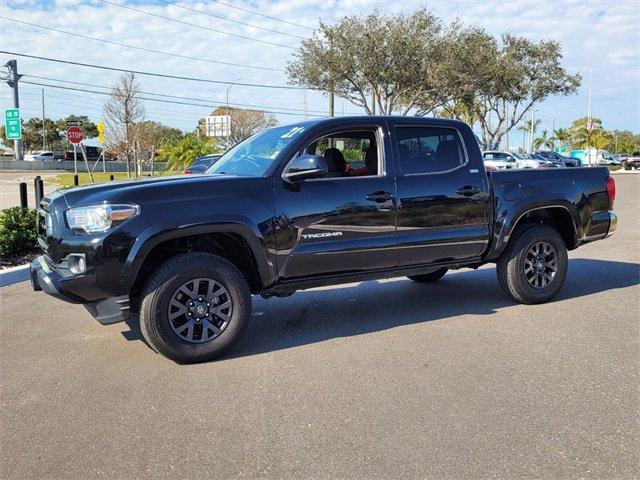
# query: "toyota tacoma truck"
{"points": [[311, 204]]}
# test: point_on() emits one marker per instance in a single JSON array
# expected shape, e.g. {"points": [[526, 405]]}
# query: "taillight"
{"points": [[187, 172], [489, 168], [610, 184]]}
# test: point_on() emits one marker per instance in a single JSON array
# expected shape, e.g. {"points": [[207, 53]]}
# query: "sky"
{"points": [[602, 37]]}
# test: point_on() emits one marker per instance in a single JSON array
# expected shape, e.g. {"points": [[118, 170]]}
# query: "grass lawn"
{"points": [[66, 179]]}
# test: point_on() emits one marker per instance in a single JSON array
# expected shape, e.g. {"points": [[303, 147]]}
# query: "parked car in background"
{"points": [[556, 157], [497, 161], [547, 162], [201, 164], [40, 156], [593, 157], [516, 160], [632, 162], [93, 153]]}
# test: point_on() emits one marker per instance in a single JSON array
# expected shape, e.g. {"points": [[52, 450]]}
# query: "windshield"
{"points": [[518, 155], [253, 156]]}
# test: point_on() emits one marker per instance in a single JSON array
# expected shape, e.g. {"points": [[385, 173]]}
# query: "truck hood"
{"points": [[142, 190]]}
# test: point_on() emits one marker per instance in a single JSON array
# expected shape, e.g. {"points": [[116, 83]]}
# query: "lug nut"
{"points": [[206, 314], [189, 313], [191, 304], [200, 299], [208, 304]]}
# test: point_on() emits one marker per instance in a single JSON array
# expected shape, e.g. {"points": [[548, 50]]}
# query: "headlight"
{"points": [[99, 218]]}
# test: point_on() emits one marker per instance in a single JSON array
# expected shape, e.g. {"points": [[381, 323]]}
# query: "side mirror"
{"points": [[306, 167]]}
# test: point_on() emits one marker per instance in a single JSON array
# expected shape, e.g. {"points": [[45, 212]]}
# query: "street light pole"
{"points": [[44, 138], [14, 77], [228, 114]]}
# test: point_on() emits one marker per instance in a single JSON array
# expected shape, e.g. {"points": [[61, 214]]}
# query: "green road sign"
{"points": [[12, 124]]}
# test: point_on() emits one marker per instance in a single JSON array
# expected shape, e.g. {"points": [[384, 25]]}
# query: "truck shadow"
{"points": [[313, 316], [342, 311]]}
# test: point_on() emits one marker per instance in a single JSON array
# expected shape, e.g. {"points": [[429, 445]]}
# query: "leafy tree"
{"points": [[32, 134], [183, 152], [379, 62], [88, 127], [625, 141], [600, 139], [150, 135], [518, 73]]}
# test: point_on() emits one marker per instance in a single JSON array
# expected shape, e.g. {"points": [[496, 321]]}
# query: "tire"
{"points": [[429, 277], [213, 285], [519, 272]]}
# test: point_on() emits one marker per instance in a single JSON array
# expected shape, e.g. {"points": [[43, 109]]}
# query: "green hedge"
{"points": [[17, 231]]}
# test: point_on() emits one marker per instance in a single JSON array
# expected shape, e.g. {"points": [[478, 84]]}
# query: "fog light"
{"points": [[77, 263]]}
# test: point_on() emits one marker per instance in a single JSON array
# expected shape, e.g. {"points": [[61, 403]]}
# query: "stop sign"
{"points": [[75, 134]]}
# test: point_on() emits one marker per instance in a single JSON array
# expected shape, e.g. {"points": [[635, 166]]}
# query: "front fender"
{"points": [[236, 224]]}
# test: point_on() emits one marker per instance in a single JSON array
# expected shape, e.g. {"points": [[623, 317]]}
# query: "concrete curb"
{"points": [[14, 275]]}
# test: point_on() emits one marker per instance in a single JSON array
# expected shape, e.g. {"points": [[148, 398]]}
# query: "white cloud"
{"points": [[602, 36]]}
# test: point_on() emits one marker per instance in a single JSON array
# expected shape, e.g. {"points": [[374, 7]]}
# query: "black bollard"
{"points": [[40, 190], [111, 177], [23, 195], [75, 180], [37, 186]]}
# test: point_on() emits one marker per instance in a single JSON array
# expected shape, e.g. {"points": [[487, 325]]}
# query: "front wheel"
{"points": [[534, 265], [195, 307]]}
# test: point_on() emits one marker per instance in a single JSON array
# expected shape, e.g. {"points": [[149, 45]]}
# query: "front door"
{"points": [[343, 221]]}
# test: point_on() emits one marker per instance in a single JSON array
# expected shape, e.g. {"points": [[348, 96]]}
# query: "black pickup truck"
{"points": [[299, 206]]}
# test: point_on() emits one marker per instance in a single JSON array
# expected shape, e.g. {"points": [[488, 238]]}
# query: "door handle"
{"points": [[468, 191], [380, 197]]}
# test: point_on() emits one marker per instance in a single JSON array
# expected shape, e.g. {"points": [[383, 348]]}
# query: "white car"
{"points": [[39, 156], [516, 160], [494, 161]]}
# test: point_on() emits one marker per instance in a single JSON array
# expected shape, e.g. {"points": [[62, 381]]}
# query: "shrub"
{"points": [[17, 231]]}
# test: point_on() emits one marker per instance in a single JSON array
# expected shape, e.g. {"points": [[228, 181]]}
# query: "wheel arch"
{"points": [[238, 243], [560, 215]]}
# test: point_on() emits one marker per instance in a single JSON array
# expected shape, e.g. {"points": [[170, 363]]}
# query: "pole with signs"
{"points": [[12, 125], [100, 127], [75, 135], [86, 162]]}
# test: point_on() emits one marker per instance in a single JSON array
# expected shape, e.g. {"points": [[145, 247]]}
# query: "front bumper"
{"points": [[46, 279]]}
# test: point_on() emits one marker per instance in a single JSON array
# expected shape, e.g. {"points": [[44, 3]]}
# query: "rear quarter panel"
{"points": [[581, 191]]}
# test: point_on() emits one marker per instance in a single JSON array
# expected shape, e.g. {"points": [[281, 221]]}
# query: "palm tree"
{"points": [[544, 141], [563, 136], [526, 126]]}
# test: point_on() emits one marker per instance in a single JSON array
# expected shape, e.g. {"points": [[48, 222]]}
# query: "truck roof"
{"points": [[395, 118]]}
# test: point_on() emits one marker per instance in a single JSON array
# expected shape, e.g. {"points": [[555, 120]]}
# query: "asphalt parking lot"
{"points": [[387, 379]]}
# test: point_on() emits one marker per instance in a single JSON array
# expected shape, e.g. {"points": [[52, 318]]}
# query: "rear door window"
{"points": [[428, 149]]}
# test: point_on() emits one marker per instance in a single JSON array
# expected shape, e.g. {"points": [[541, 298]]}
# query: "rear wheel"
{"points": [[429, 277], [534, 266], [195, 307]]}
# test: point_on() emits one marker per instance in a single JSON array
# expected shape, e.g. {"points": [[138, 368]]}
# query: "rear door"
{"points": [[443, 198], [343, 222]]}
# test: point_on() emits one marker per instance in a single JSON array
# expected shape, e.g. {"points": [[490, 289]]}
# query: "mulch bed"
{"points": [[17, 260]]}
